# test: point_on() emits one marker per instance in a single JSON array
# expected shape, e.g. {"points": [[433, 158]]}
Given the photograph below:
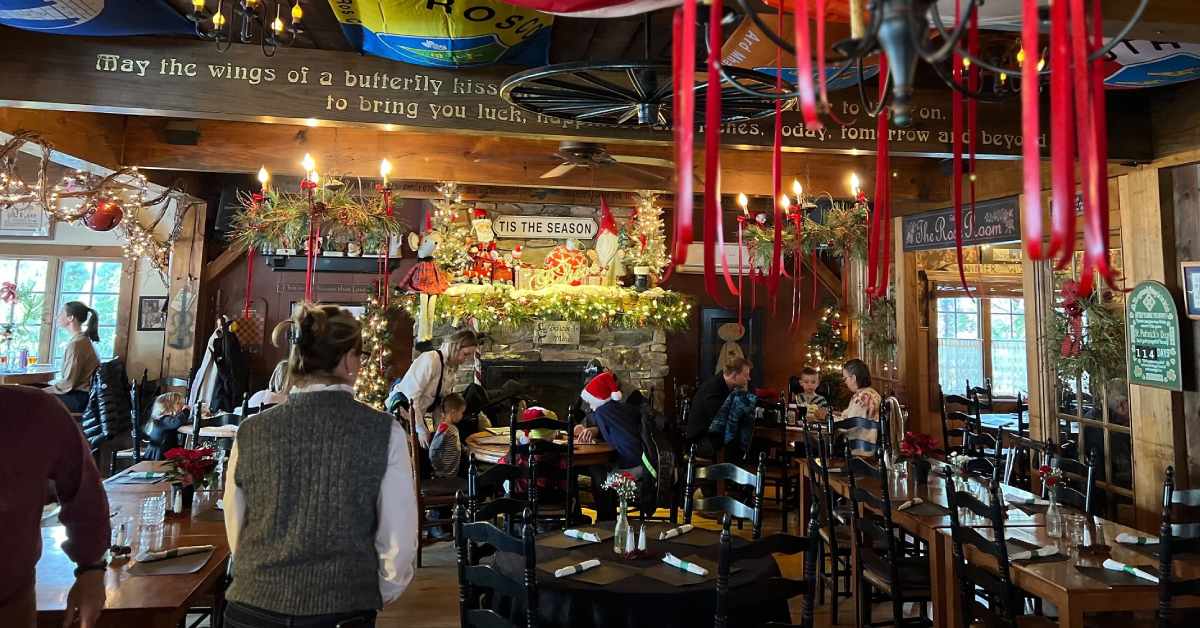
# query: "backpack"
{"points": [[658, 459]]}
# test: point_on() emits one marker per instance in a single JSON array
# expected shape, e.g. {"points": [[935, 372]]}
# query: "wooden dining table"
{"points": [[146, 601], [36, 374], [491, 448]]}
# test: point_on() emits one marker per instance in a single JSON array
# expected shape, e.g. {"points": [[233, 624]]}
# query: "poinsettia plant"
{"points": [[1051, 476], [190, 467], [623, 484], [918, 445]]}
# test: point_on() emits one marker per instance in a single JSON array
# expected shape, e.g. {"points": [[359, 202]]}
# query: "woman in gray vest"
{"points": [[320, 504]]}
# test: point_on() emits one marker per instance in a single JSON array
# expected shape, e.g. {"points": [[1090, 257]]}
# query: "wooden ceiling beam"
{"points": [[96, 138], [242, 147]]}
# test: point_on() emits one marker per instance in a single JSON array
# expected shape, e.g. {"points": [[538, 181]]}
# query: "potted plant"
{"points": [[917, 448], [186, 469]]}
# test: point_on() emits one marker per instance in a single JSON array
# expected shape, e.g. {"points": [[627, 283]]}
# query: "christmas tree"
{"points": [[451, 221], [827, 347], [645, 242], [371, 385]]}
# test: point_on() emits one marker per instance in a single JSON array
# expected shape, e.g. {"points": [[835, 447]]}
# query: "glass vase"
{"points": [[1054, 523], [621, 530]]}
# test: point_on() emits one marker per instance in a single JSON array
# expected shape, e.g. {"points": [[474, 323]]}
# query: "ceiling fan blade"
{"points": [[640, 172], [644, 161], [558, 171]]}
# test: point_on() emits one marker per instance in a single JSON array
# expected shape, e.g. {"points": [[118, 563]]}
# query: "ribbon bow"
{"points": [[8, 292], [1072, 344]]}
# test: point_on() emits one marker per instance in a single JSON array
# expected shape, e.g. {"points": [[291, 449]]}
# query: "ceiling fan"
{"points": [[592, 155]]}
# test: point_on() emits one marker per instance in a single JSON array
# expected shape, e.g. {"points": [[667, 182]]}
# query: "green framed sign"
{"points": [[1152, 327]]}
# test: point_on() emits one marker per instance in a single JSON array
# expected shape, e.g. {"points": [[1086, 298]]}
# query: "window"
{"points": [[97, 284], [981, 338], [24, 316]]}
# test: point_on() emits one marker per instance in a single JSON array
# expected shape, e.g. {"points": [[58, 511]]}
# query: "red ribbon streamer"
{"points": [[804, 69], [777, 174], [972, 103], [683, 61], [957, 129], [741, 220], [713, 232], [1062, 139], [1031, 215], [1100, 263], [883, 196]]}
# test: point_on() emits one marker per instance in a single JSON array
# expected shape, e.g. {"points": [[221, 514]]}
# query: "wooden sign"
{"points": [[192, 79], [992, 221], [556, 333], [554, 227], [1152, 329]]}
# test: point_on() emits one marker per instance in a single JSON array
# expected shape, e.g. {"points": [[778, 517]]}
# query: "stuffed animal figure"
{"points": [[428, 281], [731, 333]]}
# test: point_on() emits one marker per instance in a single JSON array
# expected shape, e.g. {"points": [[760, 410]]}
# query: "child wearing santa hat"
{"points": [[618, 424]]}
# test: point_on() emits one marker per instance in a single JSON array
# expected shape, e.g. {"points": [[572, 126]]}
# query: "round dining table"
{"points": [[490, 448], [640, 598]]}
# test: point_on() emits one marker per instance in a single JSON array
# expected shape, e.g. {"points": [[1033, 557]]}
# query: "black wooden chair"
{"points": [[1178, 537], [139, 414], [780, 473], [832, 524], [883, 562], [850, 432], [1079, 482], [955, 421], [497, 483], [777, 588], [987, 596], [721, 472], [1022, 457], [981, 396], [985, 450], [549, 503], [479, 584], [1022, 412]]}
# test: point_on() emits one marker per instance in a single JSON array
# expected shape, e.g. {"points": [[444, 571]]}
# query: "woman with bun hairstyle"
{"points": [[74, 382], [320, 503]]}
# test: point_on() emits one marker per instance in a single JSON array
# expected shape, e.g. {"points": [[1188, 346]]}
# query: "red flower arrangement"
{"points": [[918, 445], [190, 466], [1050, 476], [623, 484]]}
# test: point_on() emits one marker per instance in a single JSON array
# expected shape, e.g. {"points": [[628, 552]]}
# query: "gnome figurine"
{"points": [[607, 243]]}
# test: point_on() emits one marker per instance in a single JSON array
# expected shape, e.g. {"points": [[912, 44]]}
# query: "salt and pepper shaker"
{"points": [[630, 543], [642, 538]]}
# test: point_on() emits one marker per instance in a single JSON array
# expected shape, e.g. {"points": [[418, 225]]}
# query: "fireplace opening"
{"points": [[554, 385]]}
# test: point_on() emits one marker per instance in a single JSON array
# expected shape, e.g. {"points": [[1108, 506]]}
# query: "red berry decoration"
{"points": [[105, 217]]}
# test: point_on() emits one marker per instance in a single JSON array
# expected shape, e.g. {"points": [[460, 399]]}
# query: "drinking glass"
{"points": [[3, 363], [32, 359], [1073, 528], [154, 509], [150, 539]]}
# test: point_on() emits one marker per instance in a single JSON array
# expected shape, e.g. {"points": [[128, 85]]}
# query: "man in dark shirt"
{"points": [[707, 401], [39, 441]]}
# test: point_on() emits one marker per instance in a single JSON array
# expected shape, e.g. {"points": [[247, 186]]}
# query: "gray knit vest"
{"points": [[310, 471]]}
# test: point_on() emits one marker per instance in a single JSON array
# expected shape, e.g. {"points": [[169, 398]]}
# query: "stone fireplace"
{"points": [[554, 372]]}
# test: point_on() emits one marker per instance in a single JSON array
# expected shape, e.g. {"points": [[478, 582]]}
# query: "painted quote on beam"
{"points": [[143, 76]]}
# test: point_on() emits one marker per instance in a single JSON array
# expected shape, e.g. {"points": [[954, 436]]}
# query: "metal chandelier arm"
{"points": [[951, 39], [872, 109], [864, 45], [977, 95]]}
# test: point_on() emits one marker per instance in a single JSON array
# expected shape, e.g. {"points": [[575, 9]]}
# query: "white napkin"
{"points": [[149, 557], [674, 532], [1133, 539], [582, 536], [1117, 565], [910, 503], [1027, 501], [685, 565], [1041, 552], [577, 568]]}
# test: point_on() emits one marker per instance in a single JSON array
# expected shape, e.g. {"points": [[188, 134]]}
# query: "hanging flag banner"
{"points": [[106, 18], [748, 47], [469, 33], [1134, 64]]}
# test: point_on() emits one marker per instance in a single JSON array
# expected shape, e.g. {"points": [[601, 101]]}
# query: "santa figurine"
{"points": [[482, 226], [607, 242]]}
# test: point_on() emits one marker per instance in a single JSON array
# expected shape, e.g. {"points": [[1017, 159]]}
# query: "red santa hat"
{"points": [[537, 412], [602, 389], [607, 223]]}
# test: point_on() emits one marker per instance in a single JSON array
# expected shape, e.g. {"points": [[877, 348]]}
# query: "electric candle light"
{"points": [[277, 25], [385, 168], [854, 184], [218, 18], [743, 202], [297, 12], [264, 178], [797, 189], [785, 202]]}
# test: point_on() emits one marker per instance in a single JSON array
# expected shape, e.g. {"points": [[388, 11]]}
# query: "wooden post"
{"points": [[1157, 419], [187, 262], [910, 350]]}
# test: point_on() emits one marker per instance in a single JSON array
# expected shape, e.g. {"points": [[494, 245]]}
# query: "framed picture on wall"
{"points": [[152, 314], [1191, 288], [25, 221], [716, 325]]}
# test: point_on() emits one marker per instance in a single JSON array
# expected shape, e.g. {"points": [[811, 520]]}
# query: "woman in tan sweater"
{"points": [[80, 361]]}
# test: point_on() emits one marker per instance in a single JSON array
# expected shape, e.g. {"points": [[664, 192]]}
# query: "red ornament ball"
{"points": [[105, 217]]}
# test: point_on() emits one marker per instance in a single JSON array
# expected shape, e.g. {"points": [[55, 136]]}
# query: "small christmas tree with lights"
{"points": [[451, 220], [827, 346], [645, 242], [371, 386]]}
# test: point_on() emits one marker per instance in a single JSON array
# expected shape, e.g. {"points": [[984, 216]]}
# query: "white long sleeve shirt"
{"points": [[396, 537], [420, 383]]}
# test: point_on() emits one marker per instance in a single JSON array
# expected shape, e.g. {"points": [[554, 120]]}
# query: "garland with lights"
{"points": [[644, 242], [371, 385], [280, 220], [842, 232], [593, 307]]}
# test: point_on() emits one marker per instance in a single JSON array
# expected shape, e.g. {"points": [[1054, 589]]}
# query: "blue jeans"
{"points": [[243, 616], [75, 401]]}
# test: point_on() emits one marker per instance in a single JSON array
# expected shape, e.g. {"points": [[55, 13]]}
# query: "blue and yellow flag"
{"points": [[94, 17], [446, 33]]}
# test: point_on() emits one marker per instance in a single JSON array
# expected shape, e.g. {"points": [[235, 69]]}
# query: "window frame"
{"points": [[58, 296], [983, 301]]}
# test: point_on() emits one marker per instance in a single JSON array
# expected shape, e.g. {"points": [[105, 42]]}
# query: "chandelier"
{"points": [[249, 21]]}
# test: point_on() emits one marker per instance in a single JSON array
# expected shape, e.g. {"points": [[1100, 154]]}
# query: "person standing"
{"points": [[709, 398], [430, 378], [74, 382], [320, 501], [43, 443]]}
